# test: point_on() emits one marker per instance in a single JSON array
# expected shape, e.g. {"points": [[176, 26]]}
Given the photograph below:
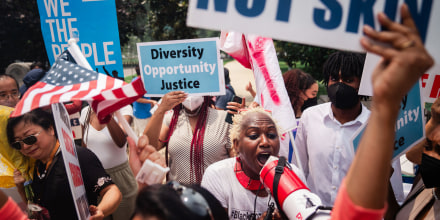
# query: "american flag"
{"points": [[67, 81]]}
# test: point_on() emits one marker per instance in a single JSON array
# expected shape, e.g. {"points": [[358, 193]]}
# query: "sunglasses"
{"points": [[29, 140], [192, 199]]}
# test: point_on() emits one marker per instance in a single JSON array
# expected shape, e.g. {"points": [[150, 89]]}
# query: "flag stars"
{"points": [[70, 72], [64, 78]]}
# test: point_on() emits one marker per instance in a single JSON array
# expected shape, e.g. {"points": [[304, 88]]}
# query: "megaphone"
{"points": [[291, 195]]}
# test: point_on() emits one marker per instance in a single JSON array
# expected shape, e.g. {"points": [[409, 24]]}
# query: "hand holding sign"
{"points": [[403, 63]]}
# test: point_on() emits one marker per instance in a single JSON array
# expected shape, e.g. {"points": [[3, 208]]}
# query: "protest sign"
{"points": [[93, 22], [193, 66], [430, 81], [70, 157], [325, 23], [409, 126]]}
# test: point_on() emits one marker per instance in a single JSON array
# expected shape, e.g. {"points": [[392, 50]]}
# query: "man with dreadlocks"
{"points": [[194, 134], [325, 131]]}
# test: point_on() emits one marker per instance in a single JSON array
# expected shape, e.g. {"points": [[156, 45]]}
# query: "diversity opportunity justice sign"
{"points": [[409, 126], [70, 158], [193, 66], [93, 22]]}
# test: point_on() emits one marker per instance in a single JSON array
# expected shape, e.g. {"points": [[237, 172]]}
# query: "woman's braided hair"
{"points": [[196, 157]]}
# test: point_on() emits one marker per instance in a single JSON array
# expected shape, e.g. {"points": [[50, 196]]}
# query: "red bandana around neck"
{"points": [[245, 181]]}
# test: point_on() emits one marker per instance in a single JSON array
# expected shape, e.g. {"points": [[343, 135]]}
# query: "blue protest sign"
{"points": [[192, 66], [410, 125], [93, 22]]}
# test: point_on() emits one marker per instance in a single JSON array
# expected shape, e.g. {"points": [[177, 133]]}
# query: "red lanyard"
{"points": [[244, 180]]}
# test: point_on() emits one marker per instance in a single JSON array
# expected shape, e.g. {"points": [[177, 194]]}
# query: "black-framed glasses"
{"points": [[29, 140], [192, 199]]}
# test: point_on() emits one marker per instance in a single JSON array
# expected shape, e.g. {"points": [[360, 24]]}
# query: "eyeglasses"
{"points": [[192, 199], [29, 140], [13, 95]]}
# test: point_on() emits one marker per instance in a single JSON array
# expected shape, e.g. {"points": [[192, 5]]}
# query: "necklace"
{"points": [[244, 180], [192, 114], [52, 155]]}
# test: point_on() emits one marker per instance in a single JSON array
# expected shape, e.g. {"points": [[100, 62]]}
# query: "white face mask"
{"points": [[193, 102]]}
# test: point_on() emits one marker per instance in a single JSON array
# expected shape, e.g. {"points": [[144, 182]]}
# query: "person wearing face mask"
{"points": [[300, 87], [194, 135], [324, 132], [422, 201]]}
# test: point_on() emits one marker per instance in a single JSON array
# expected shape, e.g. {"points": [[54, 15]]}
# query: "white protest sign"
{"points": [[327, 23], [193, 66], [70, 158], [430, 80]]}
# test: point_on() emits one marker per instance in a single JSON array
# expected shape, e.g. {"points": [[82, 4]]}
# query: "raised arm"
{"points": [[154, 129], [401, 66]]}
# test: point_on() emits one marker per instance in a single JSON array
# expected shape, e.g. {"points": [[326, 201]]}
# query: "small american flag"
{"points": [[67, 81]]}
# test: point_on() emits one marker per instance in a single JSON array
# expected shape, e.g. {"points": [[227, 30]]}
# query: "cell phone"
{"points": [[237, 99]]}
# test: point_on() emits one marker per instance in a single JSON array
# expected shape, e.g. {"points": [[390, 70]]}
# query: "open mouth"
{"points": [[263, 157]]}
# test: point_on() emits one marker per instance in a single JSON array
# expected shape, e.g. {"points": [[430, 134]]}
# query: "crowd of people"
{"points": [[215, 166]]}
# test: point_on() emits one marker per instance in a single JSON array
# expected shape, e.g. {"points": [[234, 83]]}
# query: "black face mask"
{"points": [[430, 171], [342, 95]]}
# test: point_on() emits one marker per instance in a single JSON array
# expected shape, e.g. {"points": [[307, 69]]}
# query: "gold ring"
{"points": [[407, 44]]}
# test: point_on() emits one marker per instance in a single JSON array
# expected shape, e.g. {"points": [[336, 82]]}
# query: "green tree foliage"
{"points": [[20, 35], [21, 38], [310, 58], [167, 20], [132, 19]]}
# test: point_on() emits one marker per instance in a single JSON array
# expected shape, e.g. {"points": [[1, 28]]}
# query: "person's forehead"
{"points": [[257, 119], [7, 83]]}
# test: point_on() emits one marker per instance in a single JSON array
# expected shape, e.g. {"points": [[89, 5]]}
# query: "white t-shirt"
{"points": [[221, 181], [101, 142]]}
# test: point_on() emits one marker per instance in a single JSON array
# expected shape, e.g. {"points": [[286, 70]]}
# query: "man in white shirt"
{"points": [[325, 131]]}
